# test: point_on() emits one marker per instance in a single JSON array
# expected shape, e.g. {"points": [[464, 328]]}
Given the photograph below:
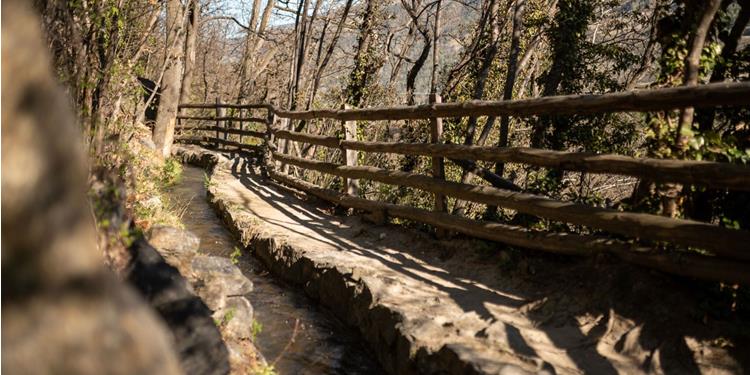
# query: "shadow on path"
{"points": [[554, 300]]}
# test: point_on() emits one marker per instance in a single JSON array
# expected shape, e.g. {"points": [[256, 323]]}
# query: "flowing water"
{"points": [[323, 345]]}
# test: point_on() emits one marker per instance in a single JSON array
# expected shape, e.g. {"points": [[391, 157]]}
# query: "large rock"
{"points": [[173, 241], [176, 245], [236, 318], [218, 278]]}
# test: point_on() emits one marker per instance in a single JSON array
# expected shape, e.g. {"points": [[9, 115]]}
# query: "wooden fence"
{"points": [[724, 253]]}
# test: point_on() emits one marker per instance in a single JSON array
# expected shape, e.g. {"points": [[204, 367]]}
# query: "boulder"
{"points": [[218, 278], [173, 241], [236, 318]]}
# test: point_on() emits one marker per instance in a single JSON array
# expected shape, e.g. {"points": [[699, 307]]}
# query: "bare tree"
{"points": [[366, 64], [692, 66], [300, 59], [436, 49], [172, 80], [510, 79], [193, 25], [414, 14], [329, 52]]}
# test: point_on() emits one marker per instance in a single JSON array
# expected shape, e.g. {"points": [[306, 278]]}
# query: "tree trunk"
{"points": [[193, 23], [510, 80], [366, 64], [248, 56], [293, 62], [327, 58], [692, 67], [170, 87], [435, 49], [479, 86], [728, 54], [484, 69], [300, 60], [411, 77], [671, 192]]}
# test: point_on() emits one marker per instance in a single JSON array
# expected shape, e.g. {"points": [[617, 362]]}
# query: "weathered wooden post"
{"points": [[285, 144], [219, 111], [438, 167], [350, 186], [240, 125], [227, 123], [178, 128], [267, 163]]}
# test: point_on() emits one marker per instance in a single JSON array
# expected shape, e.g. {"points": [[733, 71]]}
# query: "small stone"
{"points": [[153, 203], [147, 142]]}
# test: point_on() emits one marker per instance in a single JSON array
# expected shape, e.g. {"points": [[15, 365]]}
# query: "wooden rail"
{"points": [[225, 142], [729, 248], [711, 174], [708, 95], [248, 133], [722, 241], [692, 265], [223, 118]]}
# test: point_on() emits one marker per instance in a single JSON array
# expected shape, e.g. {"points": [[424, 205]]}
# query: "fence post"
{"points": [[227, 123], [241, 125], [219, 111], [351, 186], [267, 162], [285, 144], [438, 167]]}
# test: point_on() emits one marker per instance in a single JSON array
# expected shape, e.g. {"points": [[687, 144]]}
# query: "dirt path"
{"points": [[463, 306]]}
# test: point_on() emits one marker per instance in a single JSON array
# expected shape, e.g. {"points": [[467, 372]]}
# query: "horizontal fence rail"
{"points": [[725, 252], [710, 268], [248, 133], [202, 140], [708, 95], [723, 241], [225, 118], [224, 105], [712, 174]]}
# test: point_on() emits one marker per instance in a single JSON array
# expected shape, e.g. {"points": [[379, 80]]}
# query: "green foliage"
{"points": [[207, 183], [228, 316], [171, 173], [235, 255], [265, 370], [255, 329]]}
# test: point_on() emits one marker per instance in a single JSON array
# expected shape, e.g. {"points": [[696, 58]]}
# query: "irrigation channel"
{"points": [[322, 344]]}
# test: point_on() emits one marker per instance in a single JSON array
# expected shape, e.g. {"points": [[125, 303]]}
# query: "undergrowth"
{"points": [[151, 178]]}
